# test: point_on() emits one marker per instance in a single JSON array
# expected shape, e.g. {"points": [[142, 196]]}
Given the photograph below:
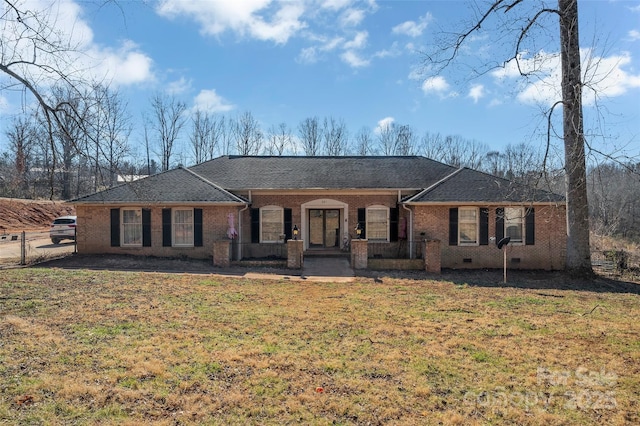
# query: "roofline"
{"points": [[207, 181], [440, 182], [484, 203], [161, 203]]}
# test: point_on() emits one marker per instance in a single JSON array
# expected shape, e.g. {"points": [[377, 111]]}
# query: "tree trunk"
{"points": [[578, 253]]}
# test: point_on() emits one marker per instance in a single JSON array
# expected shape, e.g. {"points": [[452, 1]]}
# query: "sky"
{"points": [[359, 61]]}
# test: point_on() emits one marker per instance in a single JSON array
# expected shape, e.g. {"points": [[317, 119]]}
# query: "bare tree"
{"points": [[204, 136], [335, 136], [21, 138], [364, 142], [310, 137], [279, 139], [526, 22], [247, 133], [397, 139], [169, 119]]}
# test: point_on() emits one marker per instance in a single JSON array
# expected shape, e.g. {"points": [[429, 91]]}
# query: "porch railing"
{"points": [[402, 249], [258, 251]]}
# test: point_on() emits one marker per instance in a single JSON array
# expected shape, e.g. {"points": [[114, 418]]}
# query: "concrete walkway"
{"points": [[323, 268]]}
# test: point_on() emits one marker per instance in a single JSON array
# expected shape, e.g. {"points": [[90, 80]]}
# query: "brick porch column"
{"points": [[295, 254], [359, 254], [222, 253], [432, 259]]}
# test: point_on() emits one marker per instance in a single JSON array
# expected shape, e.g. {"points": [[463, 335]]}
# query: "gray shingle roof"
{"points": [[174, 186], [238, 172], [466, 185]]}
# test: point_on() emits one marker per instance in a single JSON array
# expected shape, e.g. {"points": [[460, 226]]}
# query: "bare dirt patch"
{"points": [[18, 215]]}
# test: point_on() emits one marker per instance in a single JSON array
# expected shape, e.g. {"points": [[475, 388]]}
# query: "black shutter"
{"points": [[484, 227], [288, 225], [146, 227], [255, 225], [453, 226], [166, 227], [115, 227], [499, 224], [197, 228], [530, 227], [362, 221], [394, 213]]}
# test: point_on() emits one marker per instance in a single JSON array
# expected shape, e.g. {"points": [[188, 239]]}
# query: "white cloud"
{"points": [[392, 52], [436, 84], [413, 28], [353, 59], [308, 55], [351, 17], [476, 92], [178, 87], [359, 41], [383, 124], [124, 66], [210, 101], [335, 4], [602, 77], [634, 35], [121, 65], [255, 18]]}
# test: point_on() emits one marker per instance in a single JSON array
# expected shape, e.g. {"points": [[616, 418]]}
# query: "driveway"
{"points": [[37, 245]]}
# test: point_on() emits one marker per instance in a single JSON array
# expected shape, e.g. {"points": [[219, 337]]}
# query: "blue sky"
{"points": [[354, 60]]}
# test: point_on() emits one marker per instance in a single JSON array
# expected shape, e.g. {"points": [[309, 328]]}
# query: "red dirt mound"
{"points": [[28, 215]]}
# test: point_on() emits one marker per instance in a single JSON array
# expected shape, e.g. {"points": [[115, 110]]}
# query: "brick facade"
{"points": [[94, 232], [548, 252], [429, 223]]}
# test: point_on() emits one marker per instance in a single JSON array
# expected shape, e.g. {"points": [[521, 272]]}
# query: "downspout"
{"points": [[410, 225], [246, 206]]}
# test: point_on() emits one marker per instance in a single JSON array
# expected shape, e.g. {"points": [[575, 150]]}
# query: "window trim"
{"points": [[174, 224], [476, 222], [522, 222], [368, 227], [272, 208], [138, 210]]}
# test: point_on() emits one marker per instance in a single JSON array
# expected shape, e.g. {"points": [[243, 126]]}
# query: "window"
{"points": [[271, 224], [182, 227], [513, 224], [468, 226], [378, 223], [131, 227]]}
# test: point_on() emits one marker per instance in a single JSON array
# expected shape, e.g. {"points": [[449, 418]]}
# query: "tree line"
{"points": [[94, 151]]}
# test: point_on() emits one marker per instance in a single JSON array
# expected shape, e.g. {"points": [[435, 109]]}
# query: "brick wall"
{"points": [[548, 252], [94, 232]]}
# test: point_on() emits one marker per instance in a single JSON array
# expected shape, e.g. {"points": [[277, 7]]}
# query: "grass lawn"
{"points": [[99, 347]]}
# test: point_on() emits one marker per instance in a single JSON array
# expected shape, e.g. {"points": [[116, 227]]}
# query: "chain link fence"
{"points": [[31, 247]]}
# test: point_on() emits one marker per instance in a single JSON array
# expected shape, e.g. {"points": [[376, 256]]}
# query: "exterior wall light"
{"points": [[295, 232]]}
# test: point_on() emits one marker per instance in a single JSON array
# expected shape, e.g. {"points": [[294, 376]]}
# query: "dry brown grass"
{"points": [[98, 347]]}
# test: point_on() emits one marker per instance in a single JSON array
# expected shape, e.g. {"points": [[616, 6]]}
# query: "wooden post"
{"points": [[23, 249]]}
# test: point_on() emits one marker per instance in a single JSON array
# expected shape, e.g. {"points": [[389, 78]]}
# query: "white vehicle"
{"points": [[63, 228]]}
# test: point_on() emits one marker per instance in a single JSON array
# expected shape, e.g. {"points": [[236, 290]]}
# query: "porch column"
{"points": [[222, 253], [432, 256], [295, 254], [359, 254]]}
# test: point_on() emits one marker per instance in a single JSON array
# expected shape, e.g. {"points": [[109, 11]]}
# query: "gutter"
{"points": [[410, 224], [246, 207]]}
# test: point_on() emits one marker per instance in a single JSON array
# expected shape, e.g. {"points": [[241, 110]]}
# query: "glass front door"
{"points": [[324, 228]]}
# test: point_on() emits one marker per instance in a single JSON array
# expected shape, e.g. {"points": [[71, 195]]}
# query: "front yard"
{"points": [[87, 347]]}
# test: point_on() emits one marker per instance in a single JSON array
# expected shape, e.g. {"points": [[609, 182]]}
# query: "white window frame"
{"points": [[127, 225], [514, 216], [175, 227], [278, 209], [462, 220], [368, 222]]}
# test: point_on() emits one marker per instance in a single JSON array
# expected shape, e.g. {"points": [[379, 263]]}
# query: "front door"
{"points": [[324, 228]]}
